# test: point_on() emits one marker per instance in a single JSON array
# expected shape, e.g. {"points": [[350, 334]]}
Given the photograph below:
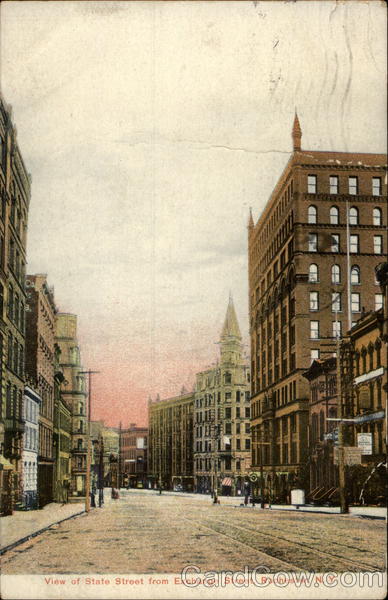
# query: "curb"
{"points": [[35, 533], [315, 512]]}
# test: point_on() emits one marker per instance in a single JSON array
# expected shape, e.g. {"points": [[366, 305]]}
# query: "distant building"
{"points": [[40, 332], [297, 290], [133, 456], [15, 192], [222, 440], [170, 454], [74, 393], [62, 436], [106, 443], [32, 402]]}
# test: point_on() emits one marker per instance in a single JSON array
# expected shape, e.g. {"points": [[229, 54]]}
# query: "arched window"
{"points": [[335, 274], [353, 216], [377, 216], [334, 215], [313, 273], [355, 275], [312, 214]]}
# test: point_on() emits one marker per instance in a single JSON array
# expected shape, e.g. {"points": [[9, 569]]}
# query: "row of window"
{"points": [[332, 242], [353, 215], [30, 475], [336, 301], [206, 445], [31, 411], [206, 464], [352, 185], [31, 438]]}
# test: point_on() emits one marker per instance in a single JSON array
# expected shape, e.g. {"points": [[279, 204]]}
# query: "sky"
{"points": [[149, 129]]}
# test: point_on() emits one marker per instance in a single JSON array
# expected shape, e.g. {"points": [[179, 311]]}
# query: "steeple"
{"points": [[230, 341], [296, 134]]}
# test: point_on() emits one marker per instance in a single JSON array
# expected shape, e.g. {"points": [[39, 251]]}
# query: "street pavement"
{"points": [[144, 532]]}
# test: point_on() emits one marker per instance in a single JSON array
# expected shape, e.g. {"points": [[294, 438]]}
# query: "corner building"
{"points": [[298, 279], [222, 440]]}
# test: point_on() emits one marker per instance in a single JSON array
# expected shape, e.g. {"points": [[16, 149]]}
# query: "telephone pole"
{"points": [[88, 455]]}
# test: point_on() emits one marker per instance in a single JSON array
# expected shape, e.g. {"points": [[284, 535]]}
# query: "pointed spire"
{"points": [[250, 222], [296, 134], [231, 327]]}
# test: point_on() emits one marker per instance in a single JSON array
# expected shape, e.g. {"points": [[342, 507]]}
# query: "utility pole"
{"points": [[340, 448], [88, 457], [119, 460]]}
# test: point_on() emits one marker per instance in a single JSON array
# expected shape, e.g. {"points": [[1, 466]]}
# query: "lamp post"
{"points": [[88, 457]]}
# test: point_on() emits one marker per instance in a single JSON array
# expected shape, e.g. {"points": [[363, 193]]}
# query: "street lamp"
{"points": [[88, 457]]}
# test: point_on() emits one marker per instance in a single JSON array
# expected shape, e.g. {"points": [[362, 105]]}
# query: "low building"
{"points": [[32, 402], [323, 482], [133, 456], [170, 454]]}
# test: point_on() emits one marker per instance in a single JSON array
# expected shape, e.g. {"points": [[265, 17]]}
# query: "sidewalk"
{"points": [[375, 512], [24, 524]]}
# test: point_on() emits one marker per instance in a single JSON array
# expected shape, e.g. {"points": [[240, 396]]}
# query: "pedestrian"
{"points": [[92, 499]]}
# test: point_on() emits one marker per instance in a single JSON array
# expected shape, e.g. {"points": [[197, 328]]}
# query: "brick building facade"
{"points": [[40, 332], [14, 205], [298, 290], [134, 456], [170, 452]]}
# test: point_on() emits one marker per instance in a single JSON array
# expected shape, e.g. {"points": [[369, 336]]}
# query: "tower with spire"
{"points": [[230, 340]]}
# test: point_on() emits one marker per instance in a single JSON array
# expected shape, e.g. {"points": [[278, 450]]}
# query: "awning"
{"points": [[5, 464], [226, 481]]}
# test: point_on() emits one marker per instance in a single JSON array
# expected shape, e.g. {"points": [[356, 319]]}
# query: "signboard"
{"points": [[140, 443], [364, 442], [352, 455]]}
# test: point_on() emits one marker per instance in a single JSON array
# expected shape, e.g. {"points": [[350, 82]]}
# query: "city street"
{"points": [[144, 532]]}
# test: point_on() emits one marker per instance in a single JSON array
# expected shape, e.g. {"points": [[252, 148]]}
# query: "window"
{"points": [[247, 412], [378, 301], [355, 275], [334, 186], [314, 330], [312, 214], [353, 186], [353, 216], [377, 216], [312, 184], [313, 242], [335, 301], [314, 354], [335, 274], [355, 300], [335, 242], [247, 444], [314, 301], [228, 412], [354, 247], [337, 329], [334, 215], [378, 244], [376, 186], [313, 273]]}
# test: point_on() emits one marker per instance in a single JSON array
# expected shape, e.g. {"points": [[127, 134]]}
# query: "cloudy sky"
{"points": [[149, 129]]}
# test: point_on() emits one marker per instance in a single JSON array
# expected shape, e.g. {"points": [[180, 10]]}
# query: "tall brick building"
{"points": [[40, 358], [298, 297], [14, 205], [170, 452]]}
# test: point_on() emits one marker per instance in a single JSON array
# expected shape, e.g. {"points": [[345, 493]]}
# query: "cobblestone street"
{"points": [[143, 532]]}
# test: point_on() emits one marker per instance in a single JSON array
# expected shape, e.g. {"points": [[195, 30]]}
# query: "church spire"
{"points": [[296, 134]]}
